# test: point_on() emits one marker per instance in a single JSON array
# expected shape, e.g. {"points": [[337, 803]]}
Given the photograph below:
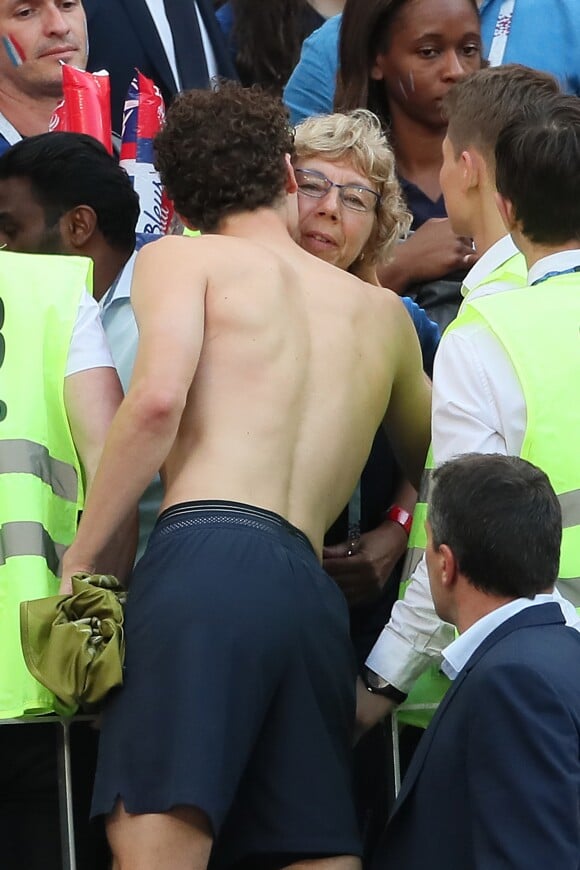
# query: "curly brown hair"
{"points": [[222, 152]]}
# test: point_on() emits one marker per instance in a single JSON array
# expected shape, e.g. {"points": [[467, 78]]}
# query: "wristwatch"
{"points": [[378, 686]]}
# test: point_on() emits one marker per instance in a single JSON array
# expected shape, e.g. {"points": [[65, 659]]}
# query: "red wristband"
{"points": [[399, 515]]}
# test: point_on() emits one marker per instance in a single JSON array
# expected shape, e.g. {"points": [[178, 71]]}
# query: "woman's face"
{"points": [[431, 44], [327, 228]]}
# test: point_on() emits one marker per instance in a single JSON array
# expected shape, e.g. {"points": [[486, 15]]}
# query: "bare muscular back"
{"points": [[296, 365]]}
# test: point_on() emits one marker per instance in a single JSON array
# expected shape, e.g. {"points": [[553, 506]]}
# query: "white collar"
{"points": [[458, 653], [499, 253], [554, 263], [121, 286]]}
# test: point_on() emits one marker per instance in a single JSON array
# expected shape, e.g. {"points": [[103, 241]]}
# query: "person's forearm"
{"points": [[370, 709], [119, 556], [396, 274], [406, 266], [142, 431], [405, 495], [413, 638]]}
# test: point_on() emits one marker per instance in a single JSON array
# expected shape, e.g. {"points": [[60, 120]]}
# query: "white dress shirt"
{"points": [[478, 407], [88, 347], [159, 17], [119, 323]]}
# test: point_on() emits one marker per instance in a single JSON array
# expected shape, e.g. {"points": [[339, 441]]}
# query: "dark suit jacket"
{"points": [[495, 781], [122, 36]]}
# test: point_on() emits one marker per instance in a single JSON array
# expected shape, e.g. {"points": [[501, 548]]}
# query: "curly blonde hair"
{"points": [[357, 137]]}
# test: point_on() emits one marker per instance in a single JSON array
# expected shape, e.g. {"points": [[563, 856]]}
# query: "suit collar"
{"points": [[140, 17], [458, 653], [90, 7], [225, 66], [542, 614]]}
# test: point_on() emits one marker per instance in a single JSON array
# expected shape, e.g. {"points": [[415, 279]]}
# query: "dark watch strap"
{"points": [[378, 686]]}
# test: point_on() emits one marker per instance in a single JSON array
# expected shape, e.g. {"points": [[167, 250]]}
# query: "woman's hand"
{"points": [[426, 255], [363, 575]]}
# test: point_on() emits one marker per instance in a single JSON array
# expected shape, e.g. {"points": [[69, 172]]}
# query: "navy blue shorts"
{"points": [[239, 688]]}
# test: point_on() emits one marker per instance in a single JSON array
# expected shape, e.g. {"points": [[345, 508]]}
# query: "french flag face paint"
{"points": [[13, 50]]}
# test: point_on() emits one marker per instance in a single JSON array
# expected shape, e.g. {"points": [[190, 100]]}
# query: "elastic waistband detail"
{"points": [[215, 512]]}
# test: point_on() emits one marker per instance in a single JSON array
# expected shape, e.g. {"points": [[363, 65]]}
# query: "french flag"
{"points": [[143, 117], [13, 50]]}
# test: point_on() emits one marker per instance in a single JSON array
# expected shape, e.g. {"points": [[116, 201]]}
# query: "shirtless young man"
{"points": [[233, 729]]}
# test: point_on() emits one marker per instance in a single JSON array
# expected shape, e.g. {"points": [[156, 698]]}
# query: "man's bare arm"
{"points": [[92, 398], [408, 417], [168, 298]]}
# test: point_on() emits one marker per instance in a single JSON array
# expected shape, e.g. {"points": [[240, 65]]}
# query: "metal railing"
{"points": [[395, 739], [64, 772]]}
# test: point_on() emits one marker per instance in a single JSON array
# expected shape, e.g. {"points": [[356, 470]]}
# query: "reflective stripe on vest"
{"points": [[431, 686], [570, 505], [418, 536], [20, 456], [569, 588], [29, 539]]}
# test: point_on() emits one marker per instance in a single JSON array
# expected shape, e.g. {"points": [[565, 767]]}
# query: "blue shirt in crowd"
{"points": [[544, 35]]}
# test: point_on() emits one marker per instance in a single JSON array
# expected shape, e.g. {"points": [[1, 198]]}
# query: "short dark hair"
{"points": [[502, 519], [479, 106], [66, 170], [537, 169], [222, 152]]}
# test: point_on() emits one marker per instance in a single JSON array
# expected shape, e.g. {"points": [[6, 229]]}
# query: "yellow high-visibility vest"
{"points": [[427, 692], [41, 487]]}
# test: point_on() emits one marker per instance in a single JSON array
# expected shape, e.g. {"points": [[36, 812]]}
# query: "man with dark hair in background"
{"points": [[505, 741]]}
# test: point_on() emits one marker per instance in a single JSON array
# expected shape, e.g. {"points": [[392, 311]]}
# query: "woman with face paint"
{"points": [[399, 58]]}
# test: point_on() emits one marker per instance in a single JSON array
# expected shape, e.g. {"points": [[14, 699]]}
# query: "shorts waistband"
{"points": [[232, 513]]}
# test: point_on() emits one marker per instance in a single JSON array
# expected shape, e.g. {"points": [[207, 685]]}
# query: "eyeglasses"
{"points": [[352, 196]]}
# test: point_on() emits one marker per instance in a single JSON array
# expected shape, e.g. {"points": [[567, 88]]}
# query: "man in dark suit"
{"points": [[495, 781], [176, 43]]}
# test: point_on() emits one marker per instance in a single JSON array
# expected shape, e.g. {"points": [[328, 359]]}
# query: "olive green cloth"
{"points": [[74, 644]]}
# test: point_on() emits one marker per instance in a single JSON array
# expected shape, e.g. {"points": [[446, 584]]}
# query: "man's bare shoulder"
{"points": [[223, 250], [384, 302], [385, 316], [178, 246]]}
